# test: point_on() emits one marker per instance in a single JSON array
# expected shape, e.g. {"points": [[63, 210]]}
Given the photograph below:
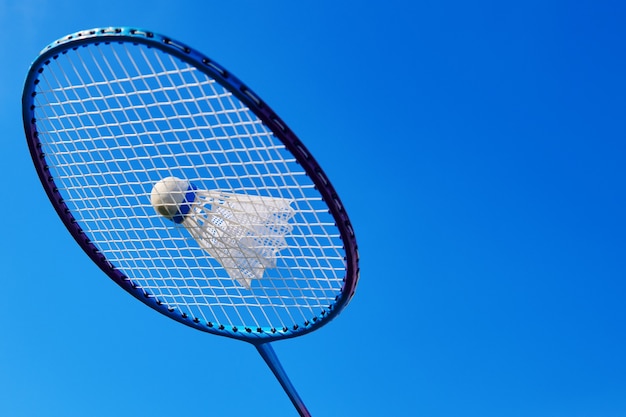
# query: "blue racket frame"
{"points": [[259, 337]]}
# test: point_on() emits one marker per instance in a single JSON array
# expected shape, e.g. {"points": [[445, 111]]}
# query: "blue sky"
{"points": [[479, 149]]}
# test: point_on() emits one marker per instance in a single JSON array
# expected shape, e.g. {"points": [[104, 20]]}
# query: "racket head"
{"points": [[108, 112]]}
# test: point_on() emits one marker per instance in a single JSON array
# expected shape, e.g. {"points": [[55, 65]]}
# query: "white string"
{"points": [[115, 119]]}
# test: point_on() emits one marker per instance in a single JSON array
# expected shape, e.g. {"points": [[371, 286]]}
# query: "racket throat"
{"points": [[268, 354]]}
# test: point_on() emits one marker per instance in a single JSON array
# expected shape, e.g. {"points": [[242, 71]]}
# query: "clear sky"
{"points": [[479, 148]]}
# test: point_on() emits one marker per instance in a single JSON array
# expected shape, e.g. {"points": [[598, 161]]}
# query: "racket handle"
{"points": [[268, 354]]}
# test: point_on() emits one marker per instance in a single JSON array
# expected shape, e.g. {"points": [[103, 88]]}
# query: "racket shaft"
{"points": [[268, 354]]}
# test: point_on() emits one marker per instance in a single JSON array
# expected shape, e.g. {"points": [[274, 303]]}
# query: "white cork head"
{"points": [[168, 195]]}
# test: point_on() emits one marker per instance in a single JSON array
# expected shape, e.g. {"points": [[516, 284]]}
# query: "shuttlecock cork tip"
{"points": [[170, 197]]}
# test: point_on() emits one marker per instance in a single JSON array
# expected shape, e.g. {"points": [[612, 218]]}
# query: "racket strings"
{"points": [[115, 119]]}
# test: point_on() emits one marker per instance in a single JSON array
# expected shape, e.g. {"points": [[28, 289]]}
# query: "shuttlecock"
{"points": [[242, 232]]}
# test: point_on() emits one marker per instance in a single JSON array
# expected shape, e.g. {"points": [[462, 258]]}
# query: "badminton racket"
{"points": [[187, 189]]}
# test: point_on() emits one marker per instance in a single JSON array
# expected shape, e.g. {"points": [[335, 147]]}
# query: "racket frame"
{"points": [[278, 127]]}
